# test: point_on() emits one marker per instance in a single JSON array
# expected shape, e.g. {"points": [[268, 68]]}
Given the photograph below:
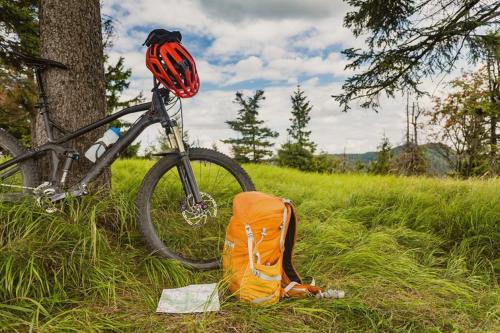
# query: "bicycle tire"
{"points": [[144, 195], [28, 168]]}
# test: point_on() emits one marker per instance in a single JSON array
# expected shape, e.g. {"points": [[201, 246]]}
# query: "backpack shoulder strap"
{"points": [[289, 271], [291, 281]]}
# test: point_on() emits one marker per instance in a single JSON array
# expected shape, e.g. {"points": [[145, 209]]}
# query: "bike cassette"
{"points": [[197, 214]]}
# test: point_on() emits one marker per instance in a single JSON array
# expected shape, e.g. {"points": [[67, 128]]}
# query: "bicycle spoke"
{"points": [[201, 241]]}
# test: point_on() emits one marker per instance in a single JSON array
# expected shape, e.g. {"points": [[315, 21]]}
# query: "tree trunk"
{"points": [[494, 90], [70, 32], [407, 119], [493, 146]]}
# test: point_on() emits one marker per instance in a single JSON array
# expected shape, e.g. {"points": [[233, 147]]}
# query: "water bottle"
{"points": [[99, 147]]}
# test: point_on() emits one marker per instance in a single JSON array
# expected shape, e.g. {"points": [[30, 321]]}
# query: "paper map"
{"points": [[192, 298]]}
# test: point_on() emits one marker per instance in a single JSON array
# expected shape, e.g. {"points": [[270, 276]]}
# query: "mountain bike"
{"points": [[184, 202]]}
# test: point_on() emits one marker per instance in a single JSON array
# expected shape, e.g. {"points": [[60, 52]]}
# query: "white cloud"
{"points": [[234, 10], [282, 41]]}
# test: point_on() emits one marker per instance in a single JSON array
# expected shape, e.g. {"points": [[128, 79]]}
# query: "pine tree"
{"points": [[382, 165], [19, 19], [294, 155], [18, 33], [116, 75], [407, 41], [301, 108], [298, 151], [19, 30], [117, 81], [254, 144]]}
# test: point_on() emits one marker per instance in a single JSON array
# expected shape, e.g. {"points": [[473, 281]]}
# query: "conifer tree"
{"points": [[254, 143], [409, 40], [18, 31], [301, 108], [382, 165], [19, 21], [298, 151]]}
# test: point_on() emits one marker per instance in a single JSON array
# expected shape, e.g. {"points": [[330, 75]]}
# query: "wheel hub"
{"points": [[197, 214]]}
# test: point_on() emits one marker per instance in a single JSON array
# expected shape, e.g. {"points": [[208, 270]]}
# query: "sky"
{"points": [[274, 45]]}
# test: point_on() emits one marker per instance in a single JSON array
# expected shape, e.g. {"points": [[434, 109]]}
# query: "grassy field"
{"points": [[412, 254]]}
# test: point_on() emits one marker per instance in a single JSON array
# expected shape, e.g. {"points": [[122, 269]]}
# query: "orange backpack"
{"points": [[257, 258]]}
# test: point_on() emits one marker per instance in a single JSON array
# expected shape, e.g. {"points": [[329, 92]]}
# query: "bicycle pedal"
{"points": [[51, 210]]}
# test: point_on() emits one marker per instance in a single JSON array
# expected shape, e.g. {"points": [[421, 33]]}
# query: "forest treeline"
{"points": [[463, 125]]}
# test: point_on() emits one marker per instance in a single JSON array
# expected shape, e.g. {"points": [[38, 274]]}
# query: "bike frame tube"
{"points": [[121, 144], [157, 114], [55, 146], [104, 121], [112, 153]]}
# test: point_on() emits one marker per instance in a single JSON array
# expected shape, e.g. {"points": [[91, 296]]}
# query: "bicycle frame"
{"points": [[157, 113]]}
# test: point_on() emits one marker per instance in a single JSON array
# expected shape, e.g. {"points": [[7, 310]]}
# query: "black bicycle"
{"points": [[184, 201]]}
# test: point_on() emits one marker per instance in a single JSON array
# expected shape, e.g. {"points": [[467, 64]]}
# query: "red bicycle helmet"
{"points": [[173, 66]]}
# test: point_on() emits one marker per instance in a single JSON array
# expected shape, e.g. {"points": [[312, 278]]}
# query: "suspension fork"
{"points": [[184, 167]]}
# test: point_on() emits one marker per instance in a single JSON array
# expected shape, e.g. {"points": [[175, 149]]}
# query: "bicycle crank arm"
{"points": [[60, 196]]}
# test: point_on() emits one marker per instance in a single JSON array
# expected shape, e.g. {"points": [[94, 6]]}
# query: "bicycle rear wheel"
{"points": [[171, 226], [17, 180]]}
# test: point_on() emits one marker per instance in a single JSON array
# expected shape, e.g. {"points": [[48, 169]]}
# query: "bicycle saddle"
{"points": [[41, 62]]}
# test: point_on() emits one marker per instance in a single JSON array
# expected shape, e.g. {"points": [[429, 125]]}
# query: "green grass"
{"points": [[412, 254]]}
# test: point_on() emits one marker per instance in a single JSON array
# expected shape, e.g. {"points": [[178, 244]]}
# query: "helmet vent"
{"points": [[173, 66]]}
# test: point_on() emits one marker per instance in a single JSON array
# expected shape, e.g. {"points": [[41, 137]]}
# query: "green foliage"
{"points": [[411, 160], [17, 106], [19, 18], [131, 151], [382, 165], [19, 30], [463, 119], [325, 163], [412, 254], [295, 155], [301, 108], [253, 144], [408, 40], [18, 33], [298, 151], [117, 81]]}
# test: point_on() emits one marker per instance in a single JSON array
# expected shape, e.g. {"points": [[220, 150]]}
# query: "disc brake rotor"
{"points": [[197, 214]]}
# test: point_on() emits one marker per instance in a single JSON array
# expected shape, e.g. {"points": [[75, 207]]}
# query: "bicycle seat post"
{"points": [[43, 102]]}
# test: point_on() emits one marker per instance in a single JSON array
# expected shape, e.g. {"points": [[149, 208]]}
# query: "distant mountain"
{"points": [[437, 165]]}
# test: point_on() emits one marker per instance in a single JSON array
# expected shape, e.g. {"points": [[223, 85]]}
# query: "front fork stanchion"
{"points": [[184, 167], [189, 175]]}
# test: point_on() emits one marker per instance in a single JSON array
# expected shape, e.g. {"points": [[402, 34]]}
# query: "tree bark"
{"points": [[70, 32], [494, 90]]}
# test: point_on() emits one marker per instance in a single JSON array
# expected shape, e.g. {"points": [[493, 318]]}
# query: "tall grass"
{"points": [[413, 254]]}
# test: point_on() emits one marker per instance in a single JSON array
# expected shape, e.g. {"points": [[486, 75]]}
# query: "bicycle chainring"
{"points": [[43, 194]]}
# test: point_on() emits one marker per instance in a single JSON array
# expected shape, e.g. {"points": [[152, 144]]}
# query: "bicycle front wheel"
{"points": [[170, 224]]}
